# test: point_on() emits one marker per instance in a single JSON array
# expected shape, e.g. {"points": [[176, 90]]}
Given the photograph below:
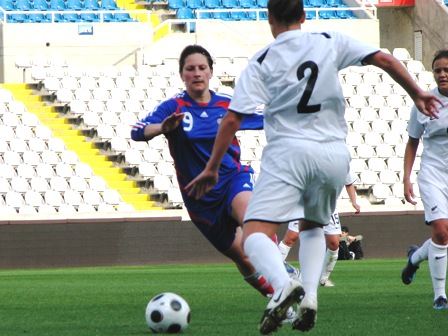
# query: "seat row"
{"points": [[57, 5], [69, 17]]}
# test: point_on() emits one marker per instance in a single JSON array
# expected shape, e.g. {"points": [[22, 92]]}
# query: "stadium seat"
{"points": [[384, 151], [345, 14], [92, 5], [89, 17], [310, 15], [316, 3], [368, 178], [40, 5], [75, 5], [19, 184], [373, 138], [185, 13], [58, 5], [23, 5], [402, 54], [66, 209], [7, 5], [33, 198], [176, 4], [380, 126], [248, 4], [46, 209], [73, 197], [237, 16], [123, 17], [27, 210], [86, 208], [92, 197], [381, 191], [335, 3], [78, 183], [231, 4], [72, 17], [376, 164], [14, 199], [109, 5]]}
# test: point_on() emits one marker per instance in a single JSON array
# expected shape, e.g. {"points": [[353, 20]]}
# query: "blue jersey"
{"points": [[191, 143]]}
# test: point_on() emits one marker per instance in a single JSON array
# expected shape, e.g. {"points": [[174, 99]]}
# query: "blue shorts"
{"points": [[212, 216]]}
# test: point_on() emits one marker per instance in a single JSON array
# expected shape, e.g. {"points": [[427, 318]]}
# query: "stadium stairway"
{"points": [[74, 139]]}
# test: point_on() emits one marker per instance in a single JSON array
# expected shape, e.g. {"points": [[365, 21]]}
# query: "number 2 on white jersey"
{"points": [[303, 106]]}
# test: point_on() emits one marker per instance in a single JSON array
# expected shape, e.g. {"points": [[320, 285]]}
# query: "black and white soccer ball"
{"points": [[167, 313]]}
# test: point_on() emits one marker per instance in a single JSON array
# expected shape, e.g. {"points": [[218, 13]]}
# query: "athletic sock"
{"points": [[284, 250], [437, 265], [329, 262], [257, 281], [266, 258], [421, 254], [311, 258]]}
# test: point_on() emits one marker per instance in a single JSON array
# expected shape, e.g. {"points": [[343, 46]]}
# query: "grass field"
{"points": [[369, 299]]}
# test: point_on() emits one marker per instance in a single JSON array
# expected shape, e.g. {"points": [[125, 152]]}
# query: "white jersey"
{"points": [[296, 77], [434, 133]]}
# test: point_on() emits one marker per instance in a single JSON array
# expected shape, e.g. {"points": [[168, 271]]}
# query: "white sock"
{"points": [[421, 254], [284, 250], [311, 258], [437, 266], [266, 258], [329, 262]]}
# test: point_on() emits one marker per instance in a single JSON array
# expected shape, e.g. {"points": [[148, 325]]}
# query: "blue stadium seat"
{"points": [[263, 15], [58, 17], [212, 4], [75, 5], [229, 3], [41, 5], [237, 16], [7, 5], [123, 17], [109, 5], [345, 14], [185, 13], [205, 15], [38, 17], [89, 17], [262, 3], [108, 17], [194, 4], [58, 5], [248, 4], [317, 3], [251, 15], [72, 17], [335, 3], [221, 15], [17, 18], [92, 4], [23, 5], [310, 15], [176, 4]]}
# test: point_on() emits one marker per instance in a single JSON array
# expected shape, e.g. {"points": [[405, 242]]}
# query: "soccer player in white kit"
{"points": [[332, 233], [433, 184], [305, 161]]}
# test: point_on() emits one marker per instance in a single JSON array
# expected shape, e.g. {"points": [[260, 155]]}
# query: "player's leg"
{"points": [[265, 256], [290, 238], [437, 259], [332, 233]]}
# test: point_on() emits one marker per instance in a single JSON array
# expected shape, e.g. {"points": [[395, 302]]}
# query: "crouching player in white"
{"points": [[332, 233]]}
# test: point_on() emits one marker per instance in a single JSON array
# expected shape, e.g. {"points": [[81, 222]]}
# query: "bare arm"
{"points": [[426, 102], [206, 180], [351, 191], [409, 158]]}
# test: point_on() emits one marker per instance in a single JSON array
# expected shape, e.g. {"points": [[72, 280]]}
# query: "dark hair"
{"points": [[286, 11], [194, 49], [344, 229], [440, 54]]}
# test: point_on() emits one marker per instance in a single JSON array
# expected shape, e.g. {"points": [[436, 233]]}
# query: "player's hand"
{"points": [[428, 104], [357, 208], [202, 184], [409, 193], [171, 122]]}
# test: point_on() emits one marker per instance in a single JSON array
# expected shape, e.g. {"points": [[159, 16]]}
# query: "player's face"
{"points": [[440, 70], [196, 74]]}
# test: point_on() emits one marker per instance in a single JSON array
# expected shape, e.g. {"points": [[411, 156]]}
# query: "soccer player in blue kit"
{"points": [[190, 121], [306, 160]]}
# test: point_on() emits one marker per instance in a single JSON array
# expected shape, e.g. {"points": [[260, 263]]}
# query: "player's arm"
{"points": [[206, 180], [425, 102], [351, 191], [144, 130], [409, 158]]}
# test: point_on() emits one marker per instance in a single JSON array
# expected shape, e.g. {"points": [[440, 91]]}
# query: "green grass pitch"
{"points": [[368, 299]]}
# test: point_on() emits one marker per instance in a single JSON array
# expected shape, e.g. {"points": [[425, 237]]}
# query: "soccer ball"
{"points": [[167, 313]]}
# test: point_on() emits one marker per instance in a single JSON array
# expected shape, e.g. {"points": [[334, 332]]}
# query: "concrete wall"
{"points": [[132, 240], [397, 27]]}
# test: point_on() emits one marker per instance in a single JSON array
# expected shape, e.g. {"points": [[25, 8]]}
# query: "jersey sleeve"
{"points": [[351, 52], [253, 122], [415, 128], [250, 90], [162, 111], [350, 178]]}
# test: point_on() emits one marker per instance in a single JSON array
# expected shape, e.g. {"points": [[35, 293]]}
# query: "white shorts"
{"points": [[433, 186], [299, 182], [333, 228]]}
